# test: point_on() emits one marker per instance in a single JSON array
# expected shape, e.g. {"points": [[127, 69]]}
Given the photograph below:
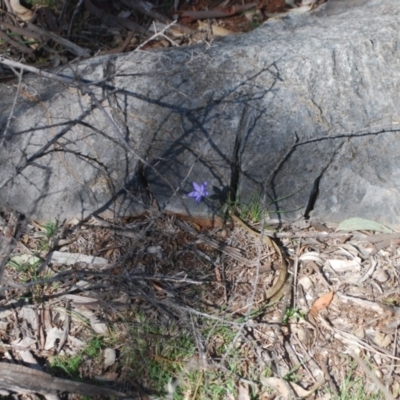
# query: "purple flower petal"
{"points": [[200, 191], [196, 186]]}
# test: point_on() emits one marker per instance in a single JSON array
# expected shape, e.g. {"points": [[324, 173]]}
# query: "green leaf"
{"points": [[361, 224], [26, 259]]}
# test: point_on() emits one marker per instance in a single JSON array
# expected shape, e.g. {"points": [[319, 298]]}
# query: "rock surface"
{"points": [[303, 112]]}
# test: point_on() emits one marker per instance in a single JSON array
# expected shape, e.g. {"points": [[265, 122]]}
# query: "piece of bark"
{"points": [[21, 379]]}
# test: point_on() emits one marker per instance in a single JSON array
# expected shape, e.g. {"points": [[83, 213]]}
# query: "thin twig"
{"points": [[35, 70], [391, 368], [74, 48], [11, 114], [74, 14], [352, 339], [19, 46], [295, 271], [156, 35]]}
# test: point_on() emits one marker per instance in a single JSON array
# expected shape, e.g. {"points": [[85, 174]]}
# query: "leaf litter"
{"points": [[189, 311]]}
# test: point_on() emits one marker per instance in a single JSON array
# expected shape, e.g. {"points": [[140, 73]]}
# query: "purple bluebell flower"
{"points": [[200, 191]]}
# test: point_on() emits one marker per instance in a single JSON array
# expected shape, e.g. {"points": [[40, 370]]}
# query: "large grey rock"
{"points": [[303, 110]]}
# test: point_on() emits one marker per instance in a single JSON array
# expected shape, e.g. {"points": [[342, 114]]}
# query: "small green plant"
{"points": [[51, 228], [49, 231], [291, 376], [94, 347], [268, 372], [71, 365], [255, 24], [253, 210], [27, 266], [293, 313], [391, 301], [157, 354], [353, 386]]}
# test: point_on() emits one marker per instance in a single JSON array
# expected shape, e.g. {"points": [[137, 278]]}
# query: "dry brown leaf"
{"points": [[321, 303], [283, 388], [345, 265], [110, 357], [59, 257], [20, 11], [98, 326], [215, 29], [53, 337], [243, 392], [217, 274], [383, 340]]}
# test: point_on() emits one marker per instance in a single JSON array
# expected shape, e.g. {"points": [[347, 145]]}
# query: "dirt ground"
{"points": [[163, 306]]}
